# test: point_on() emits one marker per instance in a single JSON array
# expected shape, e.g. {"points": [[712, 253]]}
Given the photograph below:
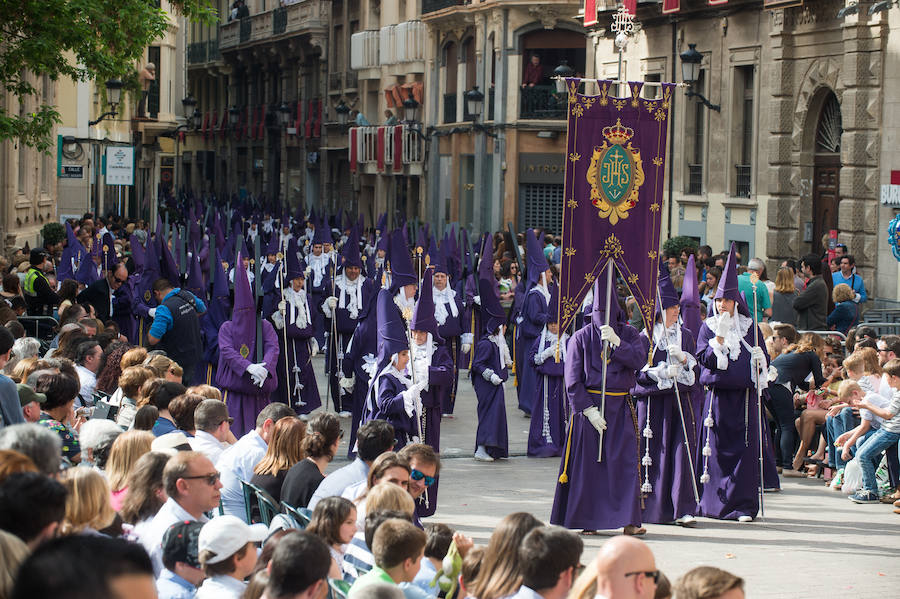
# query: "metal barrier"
{"points": [[828, 333], [883, 328], [50, 325]]}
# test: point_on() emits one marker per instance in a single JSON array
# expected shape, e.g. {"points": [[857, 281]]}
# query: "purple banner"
{"points": [[615, 176]]}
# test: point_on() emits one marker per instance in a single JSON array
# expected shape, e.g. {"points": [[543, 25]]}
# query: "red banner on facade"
{"points": [[398, 148], [717, 2], [353, 136], [590, 12], [308, 124], [671, 6], [317, 125], [379, 148], [630, 6]]}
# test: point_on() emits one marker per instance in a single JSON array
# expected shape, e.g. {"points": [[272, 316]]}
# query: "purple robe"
{"points": [[535, 313], [361, 349], [440, 379], [244, 399], [549, 420], [450, 332], [343, 329], [294, 346], [733, 465], [600, 495], [389, 406], [471, 319], [492, 431], [670, 474]]}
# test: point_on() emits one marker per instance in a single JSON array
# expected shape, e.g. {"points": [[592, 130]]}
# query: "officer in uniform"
{"points": [[176, 325], [39, 296]]}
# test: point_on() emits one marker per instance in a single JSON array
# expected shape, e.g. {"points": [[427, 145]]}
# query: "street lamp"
{"points": [[343, 112], [474, 102], [850, 9], [234, 116], [284, 114], [881, 6], [561, 73], [410, 108], [690, 73], [113, 96]]}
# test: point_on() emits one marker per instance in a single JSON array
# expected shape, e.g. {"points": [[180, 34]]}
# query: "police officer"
{"points": [[39, 296], [176, 325]]}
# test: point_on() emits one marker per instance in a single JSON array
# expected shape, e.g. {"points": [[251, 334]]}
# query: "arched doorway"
{"points": [[826, 169]]}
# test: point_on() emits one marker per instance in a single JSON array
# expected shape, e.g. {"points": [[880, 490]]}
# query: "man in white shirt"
{"points": [[88, 359], [237, 462], [549, 556], [192, 485], [372, 439], [213, 424]]}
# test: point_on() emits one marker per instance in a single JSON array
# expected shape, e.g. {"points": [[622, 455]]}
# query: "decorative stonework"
{"points": [[823, 72]]}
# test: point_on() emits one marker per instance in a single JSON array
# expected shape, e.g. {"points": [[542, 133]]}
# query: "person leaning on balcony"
{"points": [[389, 118], [534, 72]]}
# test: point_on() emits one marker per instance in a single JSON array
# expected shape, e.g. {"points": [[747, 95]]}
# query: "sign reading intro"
{"points": [[120, 165]]}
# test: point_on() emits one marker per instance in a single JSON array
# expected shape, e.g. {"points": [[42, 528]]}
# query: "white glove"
{"points": [[675, 353], [331, 302], [593, 415], [857, 298], [313, 347], [151, 312], [672, 370], [465, 347], [278, 320], [608, 334], [758, 357], [539, 358], [307, 272], [347, 383], [724, 324], [477, 299], [258, 373], [411, 401], [421, 371], [496, 380], [487, 374]]}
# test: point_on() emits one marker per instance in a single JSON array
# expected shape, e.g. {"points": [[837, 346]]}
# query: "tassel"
{"points": [[646, 460], [563, 478], [646, 488], [708, 422], [707, 450], [648, 434], [704, 478]]}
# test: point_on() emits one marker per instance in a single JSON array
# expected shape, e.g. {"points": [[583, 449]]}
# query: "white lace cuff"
{"points": [[721, 353]]}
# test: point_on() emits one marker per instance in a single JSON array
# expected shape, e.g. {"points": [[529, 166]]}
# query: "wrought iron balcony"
{"points": [[335, 81], [212, 52], [196, 52], [542, 102], [450, 108], [296, 18], [279, 20], [246, 29], [411, 150]]}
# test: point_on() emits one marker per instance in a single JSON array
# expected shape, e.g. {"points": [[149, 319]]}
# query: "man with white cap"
{"points": [[228, 555]]}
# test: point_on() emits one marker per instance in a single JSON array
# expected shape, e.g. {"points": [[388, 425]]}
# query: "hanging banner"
{"points": [[590, 12], [615, 177], [120, 165], [671, 6]]}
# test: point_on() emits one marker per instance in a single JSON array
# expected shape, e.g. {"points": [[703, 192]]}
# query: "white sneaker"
{"points": [[686, 521], [745, 518], [481, 455], [344, 414]]}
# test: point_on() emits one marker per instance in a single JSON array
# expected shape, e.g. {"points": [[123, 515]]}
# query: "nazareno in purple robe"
{"points": [[360, 355], [731, 401], [672, 493], [297, 388], [603, 495], [244, 399], [492, 432], [550, 415], [530, 323], [389, 406]]}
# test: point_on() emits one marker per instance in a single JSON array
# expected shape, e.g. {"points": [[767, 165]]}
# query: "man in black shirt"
{"points": [[39, 296]]}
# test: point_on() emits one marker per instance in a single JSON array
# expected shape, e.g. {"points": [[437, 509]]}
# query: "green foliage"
{"points": [[53, 233], [674, 245], [75, 39]]}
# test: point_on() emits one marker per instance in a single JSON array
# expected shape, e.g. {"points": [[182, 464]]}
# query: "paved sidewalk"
{"points": [[813, 542]]}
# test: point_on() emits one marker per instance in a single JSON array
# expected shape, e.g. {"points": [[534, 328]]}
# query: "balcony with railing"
{"points": [[298, 18], [335, 81], [450, 108], [364, 52], [743, 177], [542, 102], [695, 180], [196, 52], [372, 159]]}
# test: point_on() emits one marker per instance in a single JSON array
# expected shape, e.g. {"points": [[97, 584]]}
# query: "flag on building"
{"points": [[615, 176]]}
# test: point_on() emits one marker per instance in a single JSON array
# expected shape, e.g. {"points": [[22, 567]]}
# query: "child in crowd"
{"points": [[228, 554], [398, 547], [334, 520]]}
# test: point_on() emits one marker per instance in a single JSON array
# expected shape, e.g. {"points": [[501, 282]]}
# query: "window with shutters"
{"points": [[540, 206]]}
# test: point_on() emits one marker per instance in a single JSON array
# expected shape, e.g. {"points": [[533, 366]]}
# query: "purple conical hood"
{"points": [[108, 249], [421, 241], [381, 225], [728, 285], [168, 268], [138, 253], [553, 304], [244, 314], [466, 254], [87, 270], [194, 282], [690, 299], [667, 294], [439, 258], [432, 255], [321, 234], [384, 243], [486, 260], [350, 255], [423, 315], [402, 272], [535, 262], [598, 311], [272, 247], [293, 263], [391, 335], [220, 283]]}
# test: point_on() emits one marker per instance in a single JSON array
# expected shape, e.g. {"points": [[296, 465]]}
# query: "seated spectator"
{"points": [[32, 507], [182, 572], [145, 418], [165, 422], [299, 568], [96, 438], [10, 408], [31, 402], [95, 566], [471, 568], [372, 439], [126, 450], [212, 427], [383, 499], [388, 467], [88, 361], [549, 556], [320, 445], [237, 462], [398, 547], [706, 582], [207, 391], [424, 466], [12, 553], [285, 449], [182, 410], [228, 554], [846, 312], [192, 485], [13, 462], [108, 377], [501, 572], [130, 383], [61, 391], [625, 567], [87, 504], [146, 492], [36, 442], [334, 520]]}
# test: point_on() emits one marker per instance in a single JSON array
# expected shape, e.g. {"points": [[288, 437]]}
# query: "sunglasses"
{"points": [[417, 476], [210, 479], [654, 574], [121, 281]]}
